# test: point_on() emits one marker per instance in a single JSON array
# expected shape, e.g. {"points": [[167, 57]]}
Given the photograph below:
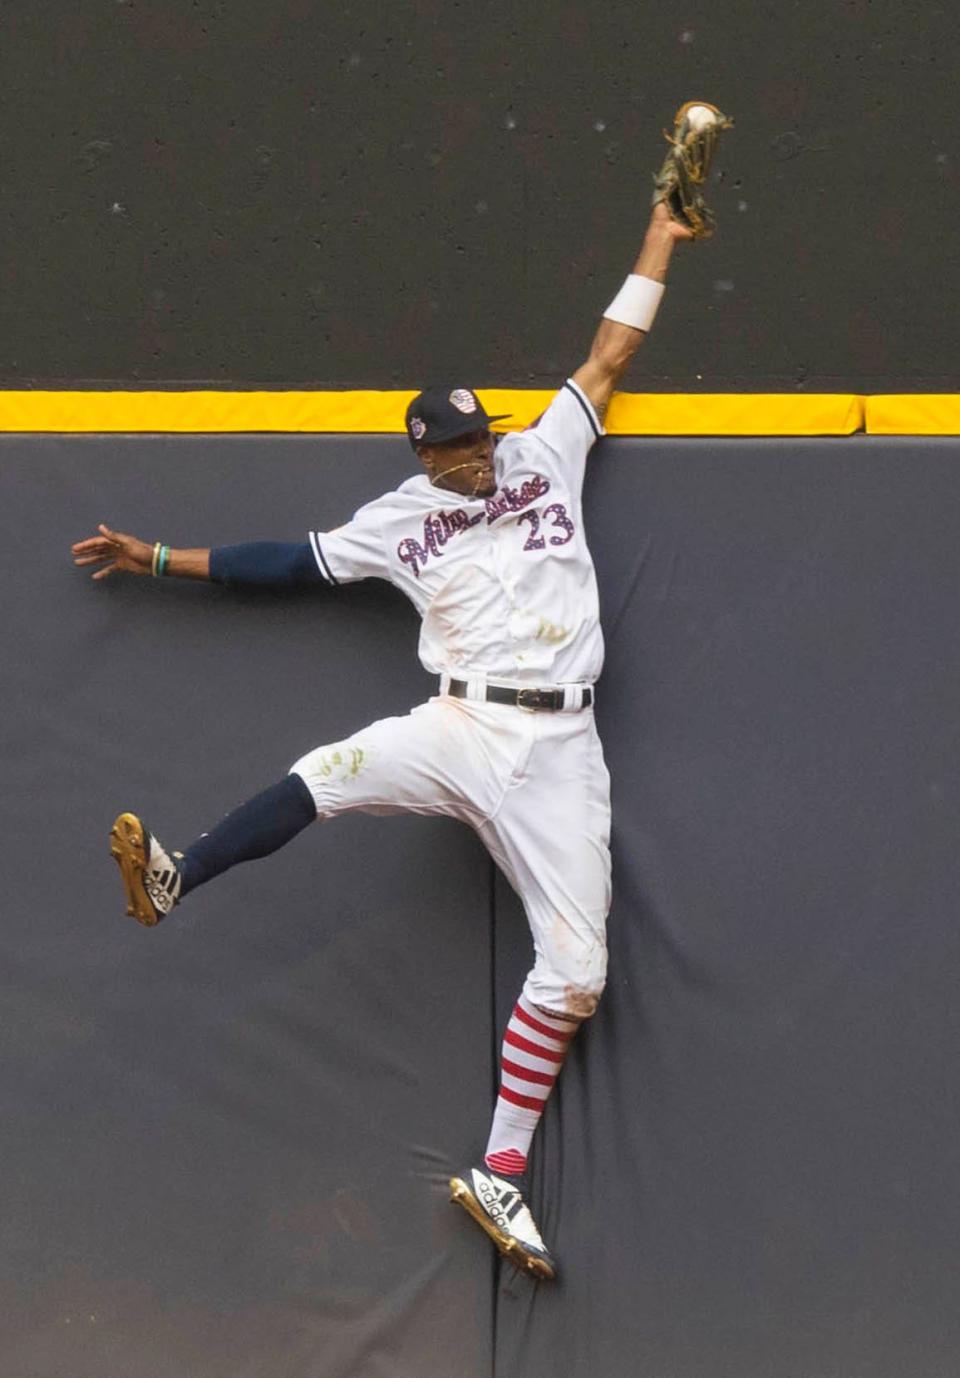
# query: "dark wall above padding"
{"points": [[376, 196]]}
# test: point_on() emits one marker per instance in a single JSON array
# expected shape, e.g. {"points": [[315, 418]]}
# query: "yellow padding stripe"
{"points": [[909, 414], [734, 414], [203, 411], [383, 412]]}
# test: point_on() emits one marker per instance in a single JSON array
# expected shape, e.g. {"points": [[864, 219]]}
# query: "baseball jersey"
{"points": [[505, 585]]}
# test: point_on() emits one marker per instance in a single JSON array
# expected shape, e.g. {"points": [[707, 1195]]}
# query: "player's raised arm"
{"points": [[679, 213], [629, 316], [272, 564]]}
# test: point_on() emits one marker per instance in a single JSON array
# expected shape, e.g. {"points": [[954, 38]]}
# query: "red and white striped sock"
{"points": [[534, 1047]]}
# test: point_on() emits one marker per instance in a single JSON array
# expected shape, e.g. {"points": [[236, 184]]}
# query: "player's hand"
{"points": [[663, 223], [112, 551]]}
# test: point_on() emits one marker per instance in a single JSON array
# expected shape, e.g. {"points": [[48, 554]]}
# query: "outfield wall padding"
{"points": [[226, 1140]]}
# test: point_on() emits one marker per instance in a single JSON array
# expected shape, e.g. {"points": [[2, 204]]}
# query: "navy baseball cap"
{"points": [[443, 413]]}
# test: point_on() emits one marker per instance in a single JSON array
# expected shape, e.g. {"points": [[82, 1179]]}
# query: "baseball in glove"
{"points": [[697, 127]]}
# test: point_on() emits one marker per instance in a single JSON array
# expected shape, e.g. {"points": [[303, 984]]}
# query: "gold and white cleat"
{"points": [[151, 876], [501, 1212]]}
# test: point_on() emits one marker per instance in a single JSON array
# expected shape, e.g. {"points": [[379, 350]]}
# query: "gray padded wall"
{"points": [[226, 1140]]}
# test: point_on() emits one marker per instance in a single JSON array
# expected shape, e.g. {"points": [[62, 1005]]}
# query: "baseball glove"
{"points": [[696, 131]]}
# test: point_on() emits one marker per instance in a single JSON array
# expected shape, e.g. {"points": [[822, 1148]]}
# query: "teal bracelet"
{"points": [[162, 560]]}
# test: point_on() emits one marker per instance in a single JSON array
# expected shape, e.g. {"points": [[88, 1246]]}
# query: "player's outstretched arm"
{"points": [[615, 343], [264, 564], [113, 551]]}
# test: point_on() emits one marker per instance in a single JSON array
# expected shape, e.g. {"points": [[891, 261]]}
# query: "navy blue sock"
{"points": [[255, 829]]}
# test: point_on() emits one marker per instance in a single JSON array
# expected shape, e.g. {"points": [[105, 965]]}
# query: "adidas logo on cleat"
{"points": [[162, 883]]}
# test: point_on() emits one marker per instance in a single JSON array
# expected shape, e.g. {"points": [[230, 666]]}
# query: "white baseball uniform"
{"points": [[506, 590]]}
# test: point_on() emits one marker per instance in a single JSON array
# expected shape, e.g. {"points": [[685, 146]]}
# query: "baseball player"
{"points": [[488, 543]]}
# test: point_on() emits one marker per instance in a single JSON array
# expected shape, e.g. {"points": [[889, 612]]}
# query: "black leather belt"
{"points": [[534, 700]]}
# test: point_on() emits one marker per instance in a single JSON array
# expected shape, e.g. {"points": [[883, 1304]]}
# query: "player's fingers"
{"points": [[89, 559], [102, 573], [116, 538], [91, 543]]}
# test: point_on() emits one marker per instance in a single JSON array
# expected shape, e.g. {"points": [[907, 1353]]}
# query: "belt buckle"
{"points": [[528, 700]]}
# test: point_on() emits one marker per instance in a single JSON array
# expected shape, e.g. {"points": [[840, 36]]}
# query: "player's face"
{"points": [[463, 465]]}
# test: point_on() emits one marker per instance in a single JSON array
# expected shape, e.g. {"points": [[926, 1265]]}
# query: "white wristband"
{"points": [[636, 303]]}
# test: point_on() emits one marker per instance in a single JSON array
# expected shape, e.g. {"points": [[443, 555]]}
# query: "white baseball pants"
{"points": [[535, 788]]}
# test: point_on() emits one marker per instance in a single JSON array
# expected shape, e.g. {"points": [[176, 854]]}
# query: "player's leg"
{"points": [[155, 880], [555, 836], [418, 763], [551, 839]]}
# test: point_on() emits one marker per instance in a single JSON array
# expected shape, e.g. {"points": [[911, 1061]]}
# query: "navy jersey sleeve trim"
{"points": [[273, 564], [324, 569], [586, 407]]}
